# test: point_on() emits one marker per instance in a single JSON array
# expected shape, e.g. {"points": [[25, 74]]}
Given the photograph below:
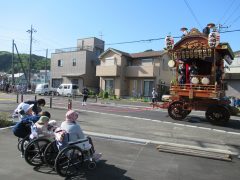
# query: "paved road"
{"points": [[137, 109], [149, 125], [121, 161]]}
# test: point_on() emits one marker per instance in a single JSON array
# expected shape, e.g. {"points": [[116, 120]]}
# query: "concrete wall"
{"points": [[68, 68], [233, 88]]}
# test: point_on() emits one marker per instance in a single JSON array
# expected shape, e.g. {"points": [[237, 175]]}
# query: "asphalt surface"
{"points": [[124, 160], [121, 161], [149, 124]]}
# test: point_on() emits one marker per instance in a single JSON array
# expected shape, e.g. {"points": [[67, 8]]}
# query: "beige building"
{"points": [[124, 74], [77, 65], [232, 76]]}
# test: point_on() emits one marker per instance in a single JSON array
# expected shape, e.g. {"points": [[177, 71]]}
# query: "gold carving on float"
{"points": [[193, 53]]}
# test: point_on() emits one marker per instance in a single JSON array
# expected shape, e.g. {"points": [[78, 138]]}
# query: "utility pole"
{"points": [[31, 31], [101, 35], [46, 66], [13, 80], [220, 27]]}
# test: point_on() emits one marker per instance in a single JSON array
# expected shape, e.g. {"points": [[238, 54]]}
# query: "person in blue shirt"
{"points": [[23, 128], [237, 102]]}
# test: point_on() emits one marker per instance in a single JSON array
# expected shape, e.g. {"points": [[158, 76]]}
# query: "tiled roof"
{"points": [[121, 52], [147, 54]]}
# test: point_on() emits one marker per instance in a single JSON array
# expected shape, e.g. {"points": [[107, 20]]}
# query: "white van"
{"points": [[42, 89], [45, 89], [68, 90]]}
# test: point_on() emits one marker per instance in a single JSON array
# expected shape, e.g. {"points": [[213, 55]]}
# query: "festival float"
{"points": [[197, 61]]}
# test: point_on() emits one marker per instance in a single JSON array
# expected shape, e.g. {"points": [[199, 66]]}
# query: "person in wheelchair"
{"points": [[22, 129], [43, 128], [73, 133]]}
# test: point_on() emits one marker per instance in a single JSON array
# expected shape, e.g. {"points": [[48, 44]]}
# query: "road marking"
{"points": [[157, 121], [160, 121], [8, 99], [148, 141]]}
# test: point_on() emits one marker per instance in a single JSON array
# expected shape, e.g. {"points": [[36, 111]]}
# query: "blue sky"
{"points": [[59, 23]]}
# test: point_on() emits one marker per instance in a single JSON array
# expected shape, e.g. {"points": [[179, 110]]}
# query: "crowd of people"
{"points": [[235, 102], [18, 88]]}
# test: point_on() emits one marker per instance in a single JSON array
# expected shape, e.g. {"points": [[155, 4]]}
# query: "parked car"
{"points": [[45, 89], [68, 90]]}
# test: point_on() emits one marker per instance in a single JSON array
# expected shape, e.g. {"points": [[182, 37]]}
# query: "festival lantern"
{"points": [[213, 39], [169, 42]]}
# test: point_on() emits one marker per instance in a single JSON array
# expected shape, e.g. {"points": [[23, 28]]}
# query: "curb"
{"points": [[147, 141]]}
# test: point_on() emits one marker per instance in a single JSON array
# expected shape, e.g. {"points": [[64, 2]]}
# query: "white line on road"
{"points": [[147, 141], [160, 121]]}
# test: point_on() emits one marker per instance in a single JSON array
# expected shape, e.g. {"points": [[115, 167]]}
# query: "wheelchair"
{"points": [[51, 153], [34, 152], [69, 157], [70, 160], [22, 144], [34, 148]]}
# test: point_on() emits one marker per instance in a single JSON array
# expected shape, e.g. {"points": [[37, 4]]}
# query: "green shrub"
{"points": [[91, 92], [105, 95], [101, 94], [4, 121], [234, 111]]}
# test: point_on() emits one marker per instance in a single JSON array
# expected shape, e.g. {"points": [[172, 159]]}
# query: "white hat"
{"points": [[25, 107]]}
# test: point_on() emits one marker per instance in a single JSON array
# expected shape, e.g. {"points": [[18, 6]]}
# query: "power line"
{"points": [[235, 20], [157, 39], [225, 12], [232, 14], [139, 41], [236, 30], [192, 12]]}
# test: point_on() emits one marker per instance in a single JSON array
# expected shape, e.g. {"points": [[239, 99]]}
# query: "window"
{"points": [[74, 87], [74, 62], [147, 61], [56, 83], [109, 61], [148, 86], [66, 87], [74, 81], [165, 65], [109, 85], [60, 63], [129, 63]]}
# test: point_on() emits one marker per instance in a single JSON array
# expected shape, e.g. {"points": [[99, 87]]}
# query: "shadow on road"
{"points": [[103, 171], [233, 124]]}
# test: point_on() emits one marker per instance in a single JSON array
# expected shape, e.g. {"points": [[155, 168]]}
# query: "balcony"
{"points": [[140, 71], [113, 70]]}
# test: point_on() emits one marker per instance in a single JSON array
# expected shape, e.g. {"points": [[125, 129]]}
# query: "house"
{"points": [[125, 74], [43, 76], [19, 78], [232, 76], [77, 65]]}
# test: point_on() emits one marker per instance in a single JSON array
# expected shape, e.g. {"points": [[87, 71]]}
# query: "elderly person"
{"points": [[22, 129], [72, 127], [75, 133]]}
